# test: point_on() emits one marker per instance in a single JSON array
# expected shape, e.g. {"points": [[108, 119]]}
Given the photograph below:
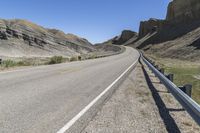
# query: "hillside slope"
{"points": [[126, 37], [178, 36], [186, 47], [20, 38]]}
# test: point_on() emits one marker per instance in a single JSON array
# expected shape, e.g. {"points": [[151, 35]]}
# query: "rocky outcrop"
{"points": [[124, 37], [178, 36], [70, 37], [150, 26], [23, 38], [186, 47], [180, 12], [183, 11]]}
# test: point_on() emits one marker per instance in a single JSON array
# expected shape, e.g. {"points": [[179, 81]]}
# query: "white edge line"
{"points": [[83, 111]]}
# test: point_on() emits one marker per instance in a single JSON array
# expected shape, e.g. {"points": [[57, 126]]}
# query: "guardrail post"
{"points": [[170, 77], [162, 70], [0, 61], [189, 105], [187, 89], [157, 67]]}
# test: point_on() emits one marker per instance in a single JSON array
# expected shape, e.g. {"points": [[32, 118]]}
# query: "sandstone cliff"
{"points": [[179, 12], [125, 37], [183, 10], [150, 26], [177, 36]]}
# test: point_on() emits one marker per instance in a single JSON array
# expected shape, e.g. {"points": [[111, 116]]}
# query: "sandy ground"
{"points": [[142, 104]]}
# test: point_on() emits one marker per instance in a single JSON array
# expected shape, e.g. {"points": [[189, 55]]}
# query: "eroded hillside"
{"points": [[175, 37], [20, 38]]}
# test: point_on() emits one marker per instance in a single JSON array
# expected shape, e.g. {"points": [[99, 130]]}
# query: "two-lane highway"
{"points": [[43, 99]]}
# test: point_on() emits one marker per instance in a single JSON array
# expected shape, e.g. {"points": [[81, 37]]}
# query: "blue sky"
{"points": [[95, 20]]}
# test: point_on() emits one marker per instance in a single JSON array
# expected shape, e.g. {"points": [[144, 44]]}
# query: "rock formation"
{"points": [[175, 37], [183, 10], [179, 12], [150, 26], [22, 38], [124, 37]]}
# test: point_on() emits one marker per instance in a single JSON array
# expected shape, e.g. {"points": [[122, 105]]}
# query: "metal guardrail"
{"points": [[188, 104]]}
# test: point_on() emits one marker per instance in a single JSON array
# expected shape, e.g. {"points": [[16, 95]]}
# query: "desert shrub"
{"points": [[73, 58], [21, 63], [24, 63], [92, 56], [8, 63], [56, 60]]}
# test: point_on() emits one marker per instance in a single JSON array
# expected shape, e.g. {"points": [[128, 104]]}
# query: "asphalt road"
{"points": [[43, 99]]}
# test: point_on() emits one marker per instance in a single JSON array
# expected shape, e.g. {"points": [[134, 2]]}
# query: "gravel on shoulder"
{"points": [[142, 104], [131, 109]]}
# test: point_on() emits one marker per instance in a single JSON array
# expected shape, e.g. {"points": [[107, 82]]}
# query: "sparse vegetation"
{"points": [[93, 56], [36, 61], [185, 72], [12, 63], [73, 58], [56, 60], [8, 63], [186, 75]]}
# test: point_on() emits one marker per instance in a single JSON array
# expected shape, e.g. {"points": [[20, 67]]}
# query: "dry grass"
{"points": [[184, 73], [29, 24]]}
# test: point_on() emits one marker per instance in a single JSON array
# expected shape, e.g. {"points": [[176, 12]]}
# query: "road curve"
{"points": [[45, 98]]}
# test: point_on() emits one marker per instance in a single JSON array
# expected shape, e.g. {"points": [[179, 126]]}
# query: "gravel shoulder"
{"points": [[142, 104]]}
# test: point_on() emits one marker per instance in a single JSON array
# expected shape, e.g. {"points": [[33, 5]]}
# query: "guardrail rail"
{"points": [[188, 103]]}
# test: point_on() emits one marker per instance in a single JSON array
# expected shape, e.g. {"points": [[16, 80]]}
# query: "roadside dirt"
{"points": [[142, 104]]}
